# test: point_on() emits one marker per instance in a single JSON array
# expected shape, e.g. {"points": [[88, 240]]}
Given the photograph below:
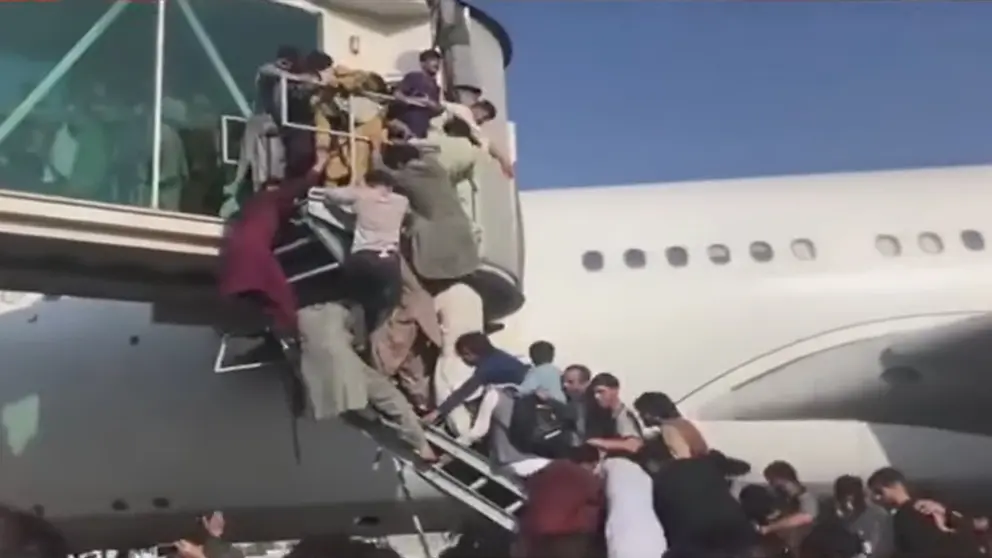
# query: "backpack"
{"points": [[539, 427]]}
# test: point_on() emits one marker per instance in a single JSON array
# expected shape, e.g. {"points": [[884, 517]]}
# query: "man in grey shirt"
{"points": [[803, 506], [374, 261], [870, 522], [623, 436]]}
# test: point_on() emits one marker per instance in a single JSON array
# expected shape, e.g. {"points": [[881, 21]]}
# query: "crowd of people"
{"points": [[376, 338], [602, 477], [640, 481]]}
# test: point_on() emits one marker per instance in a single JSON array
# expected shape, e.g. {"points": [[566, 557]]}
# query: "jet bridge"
{"points": [[77, 244]]}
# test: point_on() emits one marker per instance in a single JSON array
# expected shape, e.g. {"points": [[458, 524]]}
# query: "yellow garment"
{"points": [[329, 115], [338, 170]]}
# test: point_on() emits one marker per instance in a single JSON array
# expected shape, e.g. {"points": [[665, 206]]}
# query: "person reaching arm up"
{"points": [[374, 261]]}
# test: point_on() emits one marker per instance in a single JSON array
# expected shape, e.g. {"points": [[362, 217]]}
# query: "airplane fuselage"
{"points": [[116, 428]]}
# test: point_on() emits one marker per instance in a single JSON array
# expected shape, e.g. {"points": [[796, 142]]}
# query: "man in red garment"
{"points": [[249, 268], [565, 508]]}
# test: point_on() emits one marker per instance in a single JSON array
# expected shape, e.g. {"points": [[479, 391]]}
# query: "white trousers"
{"points": [[528, 466], [459, 310], [484, 416], [632, 528]]}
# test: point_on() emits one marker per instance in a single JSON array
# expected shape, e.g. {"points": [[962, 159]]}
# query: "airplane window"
{"points": [[635, 258], [718, 253], [931, 243], [677, 256], [592, 260], [888, 245], [803, 249], [762, 252], [973, 240]]}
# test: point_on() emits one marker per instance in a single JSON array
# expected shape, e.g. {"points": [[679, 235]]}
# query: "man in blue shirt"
{"points": [[492, 367], [544, 377], [419, 96]]}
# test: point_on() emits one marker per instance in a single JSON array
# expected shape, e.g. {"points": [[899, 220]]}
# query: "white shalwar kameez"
{"points": [[632, 527]]}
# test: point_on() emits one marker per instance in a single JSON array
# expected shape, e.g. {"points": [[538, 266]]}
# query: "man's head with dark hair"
{"points": [[288, 57], [606, 390], [473, 346], [730, 467], [760, 505], [654, 407], [24, 535], [317, 61], [380, 179], [430, 62], [849, 494], [541, 352], [575, 380], [399, 155], [483, 111], [782, 476], [286, 52], [584, 455], [888, 486]]}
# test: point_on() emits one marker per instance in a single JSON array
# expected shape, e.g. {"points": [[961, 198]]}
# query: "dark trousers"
{"points": [[579, 545], [378, 284]]}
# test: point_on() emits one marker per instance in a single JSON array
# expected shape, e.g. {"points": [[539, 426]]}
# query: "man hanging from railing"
{"points": [[374, 267], [374, 262], [316, 339], [444, 252], [269, 150], [268, 95], [465, 122], [249, 269], [459, 305], [346, 98]]}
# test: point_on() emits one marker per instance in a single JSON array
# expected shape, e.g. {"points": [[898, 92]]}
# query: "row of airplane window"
{"points": [[803, 249]]}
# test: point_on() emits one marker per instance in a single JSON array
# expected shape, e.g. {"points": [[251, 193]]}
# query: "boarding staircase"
{"points": [[314, 245]]}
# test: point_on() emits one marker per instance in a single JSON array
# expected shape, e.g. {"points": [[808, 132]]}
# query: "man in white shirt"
{"points": [[465, 121]]}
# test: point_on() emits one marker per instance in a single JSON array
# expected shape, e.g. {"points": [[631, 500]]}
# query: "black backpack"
{"points": [[540, 427]]}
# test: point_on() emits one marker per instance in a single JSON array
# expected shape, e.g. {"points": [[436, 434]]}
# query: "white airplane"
{"points": [[835, 321]]}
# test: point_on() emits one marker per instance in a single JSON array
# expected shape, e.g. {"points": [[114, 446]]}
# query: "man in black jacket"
{"points": [[920, 531]]}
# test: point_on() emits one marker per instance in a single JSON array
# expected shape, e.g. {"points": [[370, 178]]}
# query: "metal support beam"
{"points": [[157, 105], [215, 58], [63, 66], [401, 469], [225, 136]]}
